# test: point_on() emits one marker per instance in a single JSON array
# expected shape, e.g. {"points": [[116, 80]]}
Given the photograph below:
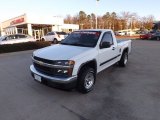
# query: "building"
{"points": [[36, 26]]}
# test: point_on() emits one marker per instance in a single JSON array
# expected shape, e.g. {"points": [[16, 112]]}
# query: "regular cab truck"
{"points": [[75, 62]]}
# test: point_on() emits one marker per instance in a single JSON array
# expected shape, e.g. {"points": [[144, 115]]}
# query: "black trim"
{"points": [[94, 60], [110, 60], [103, 37]]}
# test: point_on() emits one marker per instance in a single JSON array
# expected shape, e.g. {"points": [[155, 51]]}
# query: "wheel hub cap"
{"points": [[89, 80], [125, 59]]}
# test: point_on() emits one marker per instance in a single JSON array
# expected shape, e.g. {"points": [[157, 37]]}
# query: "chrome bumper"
{"points": [[53, 79]]}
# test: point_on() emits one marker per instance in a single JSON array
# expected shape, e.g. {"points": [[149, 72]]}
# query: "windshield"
{"points": [[61, 33], [2, 38], [82, 38]]}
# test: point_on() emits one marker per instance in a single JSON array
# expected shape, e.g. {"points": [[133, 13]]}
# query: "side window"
{"points": [[22, 36], [52, 33], [48, 33], [107, 37], [7, 38], [17, 36], [63, 33], [10, 37]]}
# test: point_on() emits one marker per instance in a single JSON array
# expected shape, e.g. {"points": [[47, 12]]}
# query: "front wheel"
{"points": [[86, 80], [124, 59]]}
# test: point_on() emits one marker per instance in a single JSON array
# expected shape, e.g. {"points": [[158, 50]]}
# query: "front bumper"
{"points": [[63, 83]]}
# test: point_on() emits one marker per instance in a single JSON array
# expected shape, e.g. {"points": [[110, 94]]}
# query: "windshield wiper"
{"points": [[76, 44]]}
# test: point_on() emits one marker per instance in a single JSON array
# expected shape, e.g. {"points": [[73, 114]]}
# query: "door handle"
{"points": [[113, 48]]}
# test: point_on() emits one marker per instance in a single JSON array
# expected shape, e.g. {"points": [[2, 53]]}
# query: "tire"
{"points": [[86, 80], [124, 59], [43, 39], [55, 41], [157, 38]]}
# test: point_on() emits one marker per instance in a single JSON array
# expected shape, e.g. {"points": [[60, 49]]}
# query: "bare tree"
{"points": [[68, 19], [111, 20]]}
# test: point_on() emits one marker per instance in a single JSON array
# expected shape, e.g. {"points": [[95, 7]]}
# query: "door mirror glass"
{"points": [[105, 45]]}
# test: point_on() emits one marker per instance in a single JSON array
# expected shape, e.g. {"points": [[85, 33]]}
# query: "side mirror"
{"points": [[105, 45]]}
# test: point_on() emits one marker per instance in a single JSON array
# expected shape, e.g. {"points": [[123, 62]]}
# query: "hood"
{"points": [[61, 52]]}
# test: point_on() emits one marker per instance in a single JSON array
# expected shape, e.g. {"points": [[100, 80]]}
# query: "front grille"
{"points": [[50, 71], [44, 60], [45, 70]]}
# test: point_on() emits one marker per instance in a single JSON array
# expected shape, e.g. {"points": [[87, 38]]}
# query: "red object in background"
{"points": [[97, 34], [20, 20], [146, 36]]}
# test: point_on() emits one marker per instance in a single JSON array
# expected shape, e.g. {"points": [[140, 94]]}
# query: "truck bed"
{"points": [[119, 41], [124, 44]]}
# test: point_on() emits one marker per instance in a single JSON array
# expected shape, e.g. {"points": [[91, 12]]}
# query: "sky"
{"points": [[12, 8]]}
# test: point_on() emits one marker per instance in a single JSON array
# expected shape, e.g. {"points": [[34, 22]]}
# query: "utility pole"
{"points": [[96, 12], [132, 22], [91, 21]]}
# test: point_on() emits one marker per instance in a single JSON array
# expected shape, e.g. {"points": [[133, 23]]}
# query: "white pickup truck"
{"points": [[75, 62]]}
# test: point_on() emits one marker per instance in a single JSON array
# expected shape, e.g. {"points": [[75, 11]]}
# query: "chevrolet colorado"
{"points": [[76, 61]]}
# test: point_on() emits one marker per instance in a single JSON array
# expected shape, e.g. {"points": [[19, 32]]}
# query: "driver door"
{"points": [[107, 55]]}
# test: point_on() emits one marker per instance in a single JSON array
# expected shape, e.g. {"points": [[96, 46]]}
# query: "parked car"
{"points": [[15, 38], [130, 33], [76, 61], [62, 34], [156, 36], [54, 37], [146, 36], [120, 33]]}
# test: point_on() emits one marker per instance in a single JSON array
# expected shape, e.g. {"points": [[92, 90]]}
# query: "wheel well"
{"points": [[125, 50], [92, 64]]}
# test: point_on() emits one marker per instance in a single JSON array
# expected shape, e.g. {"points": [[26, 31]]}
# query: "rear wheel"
{"points": [[43, 39], [55, 41], [157, 38], [124, 59], [86, 80]]}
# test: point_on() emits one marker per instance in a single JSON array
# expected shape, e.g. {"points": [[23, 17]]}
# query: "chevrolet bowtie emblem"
{"points": [[40, 62]]}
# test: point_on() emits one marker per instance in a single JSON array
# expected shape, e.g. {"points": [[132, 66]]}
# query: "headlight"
{"points": [[64, 67], [69, 63]]}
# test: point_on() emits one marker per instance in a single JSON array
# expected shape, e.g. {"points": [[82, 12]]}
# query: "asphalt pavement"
{"points": [[131, 93]]}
